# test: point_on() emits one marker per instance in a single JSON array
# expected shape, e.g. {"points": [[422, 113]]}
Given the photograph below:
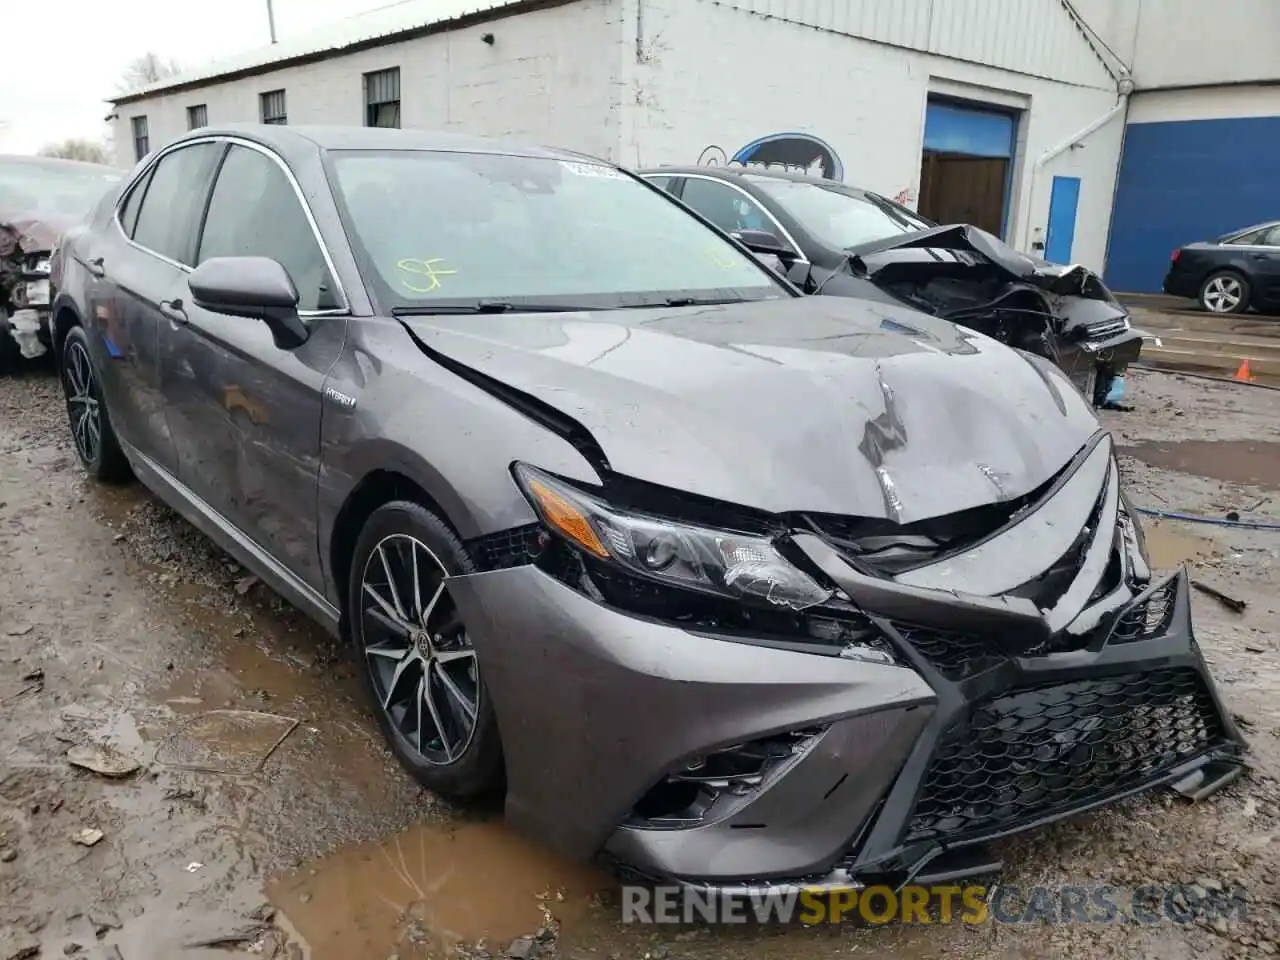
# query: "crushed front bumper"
{"points": [[991, 714]]}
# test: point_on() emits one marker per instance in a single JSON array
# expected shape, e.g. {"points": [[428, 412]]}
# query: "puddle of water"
{"points": [[432, 883], [1232, 461], [1171, 547]]}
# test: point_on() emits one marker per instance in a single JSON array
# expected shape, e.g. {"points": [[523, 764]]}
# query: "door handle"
{"points": [[96, 268], [1259, 256], [174, 311]]}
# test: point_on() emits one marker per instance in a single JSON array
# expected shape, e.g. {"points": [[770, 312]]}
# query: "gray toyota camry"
{"points": [[720, 582]]}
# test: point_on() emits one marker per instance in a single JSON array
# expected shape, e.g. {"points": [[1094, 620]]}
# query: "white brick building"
{"points": [[1010, 113]]}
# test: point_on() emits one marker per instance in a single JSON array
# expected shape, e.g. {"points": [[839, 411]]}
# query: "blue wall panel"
{"points": [[1185, 181]]}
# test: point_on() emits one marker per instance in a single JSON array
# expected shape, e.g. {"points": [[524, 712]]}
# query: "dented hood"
{"points": [[821, 403], [31, 234], [939, 249]]}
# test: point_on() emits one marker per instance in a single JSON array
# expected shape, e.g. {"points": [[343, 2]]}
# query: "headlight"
{"points": [[719, 562]]}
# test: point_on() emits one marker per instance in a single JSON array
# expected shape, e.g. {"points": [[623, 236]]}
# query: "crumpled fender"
{"points": [[1073, 280]]}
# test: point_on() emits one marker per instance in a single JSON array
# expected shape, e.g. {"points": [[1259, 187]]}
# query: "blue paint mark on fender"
{"points": [[116, 352]]}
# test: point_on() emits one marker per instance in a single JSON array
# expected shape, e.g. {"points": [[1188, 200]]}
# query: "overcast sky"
{"points": [[62, 59]]}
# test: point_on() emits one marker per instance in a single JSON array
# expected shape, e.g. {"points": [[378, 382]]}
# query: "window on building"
{"points": [[171, 207], [141, 139], [197, 116], [382, 98], [273, 107], [255, 212]]}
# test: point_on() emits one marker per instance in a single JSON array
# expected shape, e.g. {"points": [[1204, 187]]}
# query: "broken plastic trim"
{"points": [[704, 786]]}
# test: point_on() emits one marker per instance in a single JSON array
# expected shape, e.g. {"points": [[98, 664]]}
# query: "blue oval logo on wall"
{"points": [[793, 151]]}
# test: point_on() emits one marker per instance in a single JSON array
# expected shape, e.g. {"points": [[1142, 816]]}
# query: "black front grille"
{"points": [[957, 656], [1148, 618], [1028, 754]]}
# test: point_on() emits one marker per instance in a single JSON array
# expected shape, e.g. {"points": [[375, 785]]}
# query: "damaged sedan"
{"points": [[723, 583], [843, 241], [40, 198]]}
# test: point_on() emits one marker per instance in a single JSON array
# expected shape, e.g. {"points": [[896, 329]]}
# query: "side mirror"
{"points": [[257, 288], [762, 241]]}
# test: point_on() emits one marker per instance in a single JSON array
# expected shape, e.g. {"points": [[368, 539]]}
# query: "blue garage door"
{"points": [[1186, 181]]}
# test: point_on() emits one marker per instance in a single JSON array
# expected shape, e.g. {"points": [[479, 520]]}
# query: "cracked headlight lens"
{"points": [[720, 562]]}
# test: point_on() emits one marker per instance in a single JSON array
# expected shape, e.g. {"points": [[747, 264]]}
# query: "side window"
{"points": [[727, 208], [170, 214], [129, 209], [255, 212], [1271, 237], [1247, 239], [662, 183]]}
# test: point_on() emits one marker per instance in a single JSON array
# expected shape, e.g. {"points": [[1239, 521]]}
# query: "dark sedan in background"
{"points": [[840, 240], [40, 197], [1236, 271]]}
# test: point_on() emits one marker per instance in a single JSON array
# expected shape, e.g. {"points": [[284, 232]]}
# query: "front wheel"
{"points": [[421, 670], [1225, 292], [91, 430]]}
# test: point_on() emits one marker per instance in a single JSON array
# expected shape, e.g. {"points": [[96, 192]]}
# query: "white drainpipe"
{"points": [[1125, 87]]}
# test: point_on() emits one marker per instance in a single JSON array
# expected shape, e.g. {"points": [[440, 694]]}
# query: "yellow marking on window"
{"points": [[424, 268]]}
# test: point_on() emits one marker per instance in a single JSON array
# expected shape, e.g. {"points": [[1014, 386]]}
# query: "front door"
{"points": [[137, 261], [245, 412]]}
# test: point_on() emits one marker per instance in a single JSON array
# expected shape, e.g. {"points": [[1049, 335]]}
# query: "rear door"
{"points": [[246, 412], [147, 248]]}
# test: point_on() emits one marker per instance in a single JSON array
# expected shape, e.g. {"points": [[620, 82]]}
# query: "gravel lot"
{"points": [[241, 833]]}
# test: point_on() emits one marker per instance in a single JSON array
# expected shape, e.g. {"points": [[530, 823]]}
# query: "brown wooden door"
{"points": [[958, 189]]}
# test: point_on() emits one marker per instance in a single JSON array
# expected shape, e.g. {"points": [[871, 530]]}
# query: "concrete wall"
{"points": [[551, 77], [715, 76]]}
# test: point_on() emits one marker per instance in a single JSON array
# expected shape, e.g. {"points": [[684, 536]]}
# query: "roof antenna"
{"points": [[271, 20]]}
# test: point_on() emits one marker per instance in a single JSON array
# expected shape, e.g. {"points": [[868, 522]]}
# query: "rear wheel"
{"points": [[420, 668], [1225, 292], [91, 430]]}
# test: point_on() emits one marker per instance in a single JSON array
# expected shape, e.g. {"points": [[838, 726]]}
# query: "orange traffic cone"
{"points": [[1243, 373]]}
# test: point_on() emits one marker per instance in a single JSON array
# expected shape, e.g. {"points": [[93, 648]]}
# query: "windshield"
{"points": [[839, 218], [435, 227], [46, 188]]}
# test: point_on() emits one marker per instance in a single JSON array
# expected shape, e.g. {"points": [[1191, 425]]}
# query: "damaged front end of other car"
{"points": [[26, 248], [1064, 313], [989, 672]]}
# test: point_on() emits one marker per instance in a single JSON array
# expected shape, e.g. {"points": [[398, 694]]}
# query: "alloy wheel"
{"points": [[82, 402], [416, 648], [1223, 294]]}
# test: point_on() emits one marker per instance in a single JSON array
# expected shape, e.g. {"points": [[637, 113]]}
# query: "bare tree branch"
{"points": [[147, 69]]}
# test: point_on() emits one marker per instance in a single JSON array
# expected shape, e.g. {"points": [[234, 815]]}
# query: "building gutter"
{"points": [[1125, 88]]}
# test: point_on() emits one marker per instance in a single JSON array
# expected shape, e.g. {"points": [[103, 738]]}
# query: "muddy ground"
{"points": [[265, 819]]}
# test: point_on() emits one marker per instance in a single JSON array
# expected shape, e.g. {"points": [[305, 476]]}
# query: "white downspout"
{"points": [[1125, 87]]}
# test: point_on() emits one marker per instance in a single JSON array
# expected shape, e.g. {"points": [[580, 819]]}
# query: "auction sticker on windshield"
{"points": [[592, 170]]}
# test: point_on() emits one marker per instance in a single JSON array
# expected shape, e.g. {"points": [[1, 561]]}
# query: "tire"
{"points": [[397, 656], [87, 412], [1225, 292]]}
